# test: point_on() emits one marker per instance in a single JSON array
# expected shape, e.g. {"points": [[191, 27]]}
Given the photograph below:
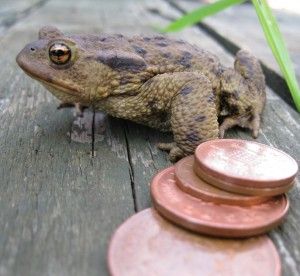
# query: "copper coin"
{"points": [[245, 164], [243, 190], [210, 218], [148, 245], [189, 182]]}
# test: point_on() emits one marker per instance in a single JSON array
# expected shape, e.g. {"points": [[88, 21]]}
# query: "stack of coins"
{"points": [[227, 189]]}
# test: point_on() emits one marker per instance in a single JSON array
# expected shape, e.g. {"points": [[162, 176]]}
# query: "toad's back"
{"points": [[160, 52]]}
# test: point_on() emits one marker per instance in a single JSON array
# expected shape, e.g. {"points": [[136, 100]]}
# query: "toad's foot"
{"points": [[251, 122], [175, 153]]}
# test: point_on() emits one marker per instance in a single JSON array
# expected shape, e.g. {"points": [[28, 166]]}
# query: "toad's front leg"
{"points": [[182, 102], [193, 117]]}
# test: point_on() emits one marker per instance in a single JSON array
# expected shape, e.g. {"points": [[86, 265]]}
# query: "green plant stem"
{"points": [[270, 28], [197, 15], [276, 43]]}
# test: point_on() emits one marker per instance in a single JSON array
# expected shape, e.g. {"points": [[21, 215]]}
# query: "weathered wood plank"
{"points": [[12, 11], [58, 204]]}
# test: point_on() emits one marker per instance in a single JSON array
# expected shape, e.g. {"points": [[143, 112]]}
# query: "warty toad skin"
{"points": [[156, 81]]}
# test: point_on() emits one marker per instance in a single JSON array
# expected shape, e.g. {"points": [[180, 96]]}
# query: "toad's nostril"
{"points": [[32, 49]]}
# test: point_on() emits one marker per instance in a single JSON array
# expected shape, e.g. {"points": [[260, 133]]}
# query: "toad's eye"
{"points": [[59, 53]]}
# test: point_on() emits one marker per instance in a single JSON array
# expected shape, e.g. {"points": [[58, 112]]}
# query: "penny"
{"points": [[205, 217], [245, 164], [189, 182], [146, 244], [243, 190]]}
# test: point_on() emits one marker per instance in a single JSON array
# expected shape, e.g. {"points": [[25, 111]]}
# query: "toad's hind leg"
{"points": [[193, 117]]}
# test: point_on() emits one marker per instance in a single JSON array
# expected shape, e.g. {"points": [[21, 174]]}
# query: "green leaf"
{"points": [[198, 14], [278, 47]]}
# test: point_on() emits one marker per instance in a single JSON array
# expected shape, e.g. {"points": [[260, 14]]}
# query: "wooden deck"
{"points": [[67, 182]]}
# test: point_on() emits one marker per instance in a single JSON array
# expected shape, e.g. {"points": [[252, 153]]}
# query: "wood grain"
{"points": [[68, 182]]}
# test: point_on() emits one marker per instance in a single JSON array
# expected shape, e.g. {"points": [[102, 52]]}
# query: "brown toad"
{"points": [[156, 81]]}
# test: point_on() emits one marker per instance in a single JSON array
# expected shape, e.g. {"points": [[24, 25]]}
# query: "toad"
{"points": [[160, 82]]}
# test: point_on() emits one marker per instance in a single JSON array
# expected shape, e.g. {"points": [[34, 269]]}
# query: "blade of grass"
{"points": [[276, 43], [198, 14]]}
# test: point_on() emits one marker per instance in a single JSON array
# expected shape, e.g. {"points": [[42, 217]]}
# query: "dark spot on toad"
{"points": [[193, 137], [180, 41], [218, 71], [154, 108], [139, 50], [185, 59], [124, 80], [166, 55], [146, 38], [186, 90], [119, 35], [159, 37], [211, 98], [248, 109], [122, 61], [102, 38], [162, 44], [152, 105], [200, 118]]}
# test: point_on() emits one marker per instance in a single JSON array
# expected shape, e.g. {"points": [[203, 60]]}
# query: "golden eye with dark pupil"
{"points": [[59, 53]]}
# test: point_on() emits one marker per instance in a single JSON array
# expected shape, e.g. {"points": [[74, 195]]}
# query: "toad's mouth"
{"points": [[48, 81], [61, 87], [45, 78]]}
